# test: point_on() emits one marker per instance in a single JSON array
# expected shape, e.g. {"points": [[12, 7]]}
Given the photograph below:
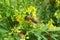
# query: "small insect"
{"points": [[15, 22], [22, 34], [28, 18]]}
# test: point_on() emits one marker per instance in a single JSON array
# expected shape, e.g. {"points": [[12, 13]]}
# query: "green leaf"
{"points": [[3, 30]]}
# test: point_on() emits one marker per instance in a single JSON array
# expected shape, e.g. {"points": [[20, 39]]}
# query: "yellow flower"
{"points": [[27, 37], [50, 25], [57, 14], [34, 16], [25, 11], [18, 18], [0, 16], [57, 3], [31, 10], [17, 15]]}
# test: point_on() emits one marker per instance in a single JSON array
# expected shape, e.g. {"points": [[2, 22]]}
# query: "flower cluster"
{"points": [[31, 10], [57, 3], [50, 25], [57, 14]]}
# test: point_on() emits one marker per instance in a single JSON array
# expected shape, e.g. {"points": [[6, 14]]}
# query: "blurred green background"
{"points": [[14, 26]]}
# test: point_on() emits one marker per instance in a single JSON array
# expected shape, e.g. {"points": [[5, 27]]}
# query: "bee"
{"points": [[15, 22], [22, 34], [28, 18]]}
